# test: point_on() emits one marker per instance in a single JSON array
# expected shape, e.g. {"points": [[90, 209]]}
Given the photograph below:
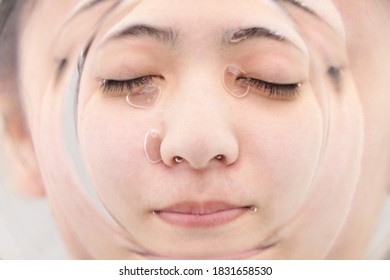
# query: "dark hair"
{"points": [[11, 111], [8, 42], [6, 7]]}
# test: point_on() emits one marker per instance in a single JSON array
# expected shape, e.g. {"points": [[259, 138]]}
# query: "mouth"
{"points": [[198, 215]]}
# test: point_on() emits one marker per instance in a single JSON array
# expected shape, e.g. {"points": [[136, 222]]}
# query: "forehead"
{"points": [[208, 17], [200, 20], [206, 12], [198, 14]]}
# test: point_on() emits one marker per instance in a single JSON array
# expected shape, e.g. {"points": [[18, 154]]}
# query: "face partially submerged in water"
{"points": [[294, 148]]}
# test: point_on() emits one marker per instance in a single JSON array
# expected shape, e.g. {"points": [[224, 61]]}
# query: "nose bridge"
{"points": [[197, 125], [199, 104]]}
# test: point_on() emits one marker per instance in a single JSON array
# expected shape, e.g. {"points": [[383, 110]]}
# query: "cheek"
{"points": [[112, 149], [283, 152], [322, 223]]}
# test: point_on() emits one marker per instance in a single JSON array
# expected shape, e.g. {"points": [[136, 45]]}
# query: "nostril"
{"points": [[178, 159], [219, 157]]}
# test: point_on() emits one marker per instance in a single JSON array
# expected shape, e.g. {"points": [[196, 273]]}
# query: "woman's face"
{"points": [[251, 110]]}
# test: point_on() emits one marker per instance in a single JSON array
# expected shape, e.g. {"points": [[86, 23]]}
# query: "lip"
{"points": [[204, 214]]}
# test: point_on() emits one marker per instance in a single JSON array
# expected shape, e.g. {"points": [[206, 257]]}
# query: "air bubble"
{"points": [[152, 146], [145, 97], [234, 81]]}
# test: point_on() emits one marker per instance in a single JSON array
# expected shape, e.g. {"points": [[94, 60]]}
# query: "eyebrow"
{"points": [[231, 37], [166, 36]]}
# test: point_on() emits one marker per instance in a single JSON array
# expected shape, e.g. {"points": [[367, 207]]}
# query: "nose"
{"points": [[199, 131], [198, 145]]}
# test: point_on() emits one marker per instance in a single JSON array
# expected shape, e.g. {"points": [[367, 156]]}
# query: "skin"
{"points": [[314, 164]]}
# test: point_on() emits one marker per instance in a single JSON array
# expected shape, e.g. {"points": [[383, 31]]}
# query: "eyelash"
{"points": [[118, 86], [274, 90]]}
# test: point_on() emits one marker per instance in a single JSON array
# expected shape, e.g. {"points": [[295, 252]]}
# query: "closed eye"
{"points": [[272, 90], [124, 87]]}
